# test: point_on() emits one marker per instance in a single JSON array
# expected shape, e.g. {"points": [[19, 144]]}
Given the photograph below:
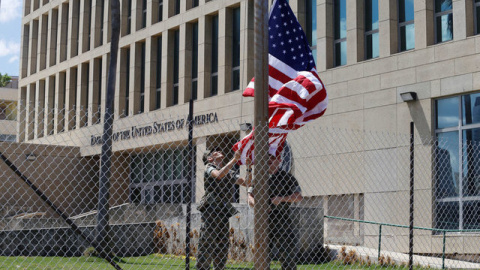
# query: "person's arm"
{"points": [[247, 181], [219, 174], [295, 197], [250, 200]]}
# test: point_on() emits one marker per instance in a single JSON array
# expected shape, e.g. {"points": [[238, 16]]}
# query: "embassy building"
{"points": [[368, 53]]}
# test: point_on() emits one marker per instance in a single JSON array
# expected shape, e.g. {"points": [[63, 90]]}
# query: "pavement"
{"points": [[402, 258]]}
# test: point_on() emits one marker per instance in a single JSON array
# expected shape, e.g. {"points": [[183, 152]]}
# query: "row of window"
{"points": [[443, 25]]}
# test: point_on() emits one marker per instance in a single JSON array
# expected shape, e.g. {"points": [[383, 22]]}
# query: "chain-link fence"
{"points": [[338, 198]]}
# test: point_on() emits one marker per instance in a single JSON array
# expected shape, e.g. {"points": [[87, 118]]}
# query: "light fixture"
{"points": [[408, 96], [30, 157], [245, 127]]}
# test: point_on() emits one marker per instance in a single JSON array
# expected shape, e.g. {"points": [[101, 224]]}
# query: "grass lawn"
{"points": [[147, 262]]}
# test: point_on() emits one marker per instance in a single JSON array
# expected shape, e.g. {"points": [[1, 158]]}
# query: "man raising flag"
{"points": [[296, 93]]}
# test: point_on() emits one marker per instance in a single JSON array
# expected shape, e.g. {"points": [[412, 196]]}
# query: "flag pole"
{"points": [[261, 135]]}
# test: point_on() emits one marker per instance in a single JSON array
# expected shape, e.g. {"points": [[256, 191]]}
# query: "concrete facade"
{"points": [[63, 55]]}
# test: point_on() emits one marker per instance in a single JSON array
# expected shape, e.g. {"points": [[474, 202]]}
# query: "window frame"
{"points": [[339, 40], [403, 24], [440, 14], [459, 128], [476, 16], [370, 32]]}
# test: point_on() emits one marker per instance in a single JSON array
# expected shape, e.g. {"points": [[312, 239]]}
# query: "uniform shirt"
{"points": [[219, 193], [281, 184]]}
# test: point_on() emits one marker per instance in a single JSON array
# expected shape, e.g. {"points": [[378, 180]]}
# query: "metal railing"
{"points": [[381, 224]]}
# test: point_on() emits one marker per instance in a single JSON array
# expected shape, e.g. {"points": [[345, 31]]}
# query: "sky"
{"points": [[10, 32]]}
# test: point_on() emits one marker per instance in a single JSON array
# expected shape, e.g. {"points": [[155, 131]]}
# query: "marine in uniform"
{"points": [[216, 208]]}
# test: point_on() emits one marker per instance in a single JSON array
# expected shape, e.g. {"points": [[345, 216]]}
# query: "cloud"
{"points": [[13, 59], [9, 48], [10, 10]]}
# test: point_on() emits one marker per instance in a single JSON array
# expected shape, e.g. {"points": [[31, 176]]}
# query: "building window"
{"points": [[443, 21], [371, 29], [102, 11], [195, 61], [236, 50], [477, 16], [194, 3], [89, 23], [144, 13], [86, 107], [159, 177], [176, 65], [142, 77], [340, 29], [99, 87], [311, 25], [127, 86], [160, 10], [214, 67], [457, 177], [158, 92], [129, 16], [177, 7], [406, 25]]}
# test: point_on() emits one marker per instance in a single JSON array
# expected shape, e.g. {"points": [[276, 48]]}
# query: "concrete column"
{"points": [[224, 44], [91, 97], [167, 68], [30, 112], [74, 25], [150, 62], [97, 20], [22, 116], [105, 65], [70, 99], [459, 9], [106, 22], [203, 59], [24, 56], [96, 73], [136, 5], [325, 35], [123, 18], [424, 23], [42, 43], [39, 109], [82, 114], [32, 52], [246, 43], [135, 65], [52, 40], [186, 63], [50, 89], [63, 23], [355, 31], [59, 115], [85, 25], [183, 95], [388, 27], [121, 83], [469, 18], [150, 11]]}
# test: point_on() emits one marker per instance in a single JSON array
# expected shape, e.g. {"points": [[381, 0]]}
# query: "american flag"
{"points": [[296, 93]]}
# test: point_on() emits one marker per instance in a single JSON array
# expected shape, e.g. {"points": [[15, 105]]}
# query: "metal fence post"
{"points": [[261, 135], [379, 240], [190, 184], [412, 185], [106, 154]]}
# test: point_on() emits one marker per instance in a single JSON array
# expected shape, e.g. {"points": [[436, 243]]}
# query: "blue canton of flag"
{"points": [[287, 40]]}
